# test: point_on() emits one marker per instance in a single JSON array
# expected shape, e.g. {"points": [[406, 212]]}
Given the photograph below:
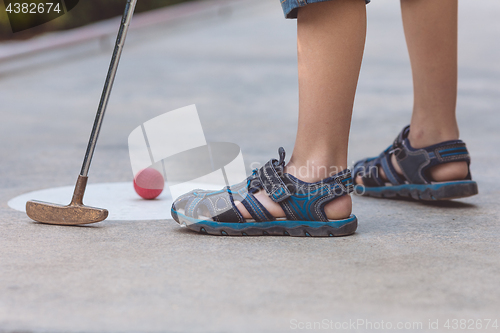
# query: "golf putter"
{"points": [[76, 212]]}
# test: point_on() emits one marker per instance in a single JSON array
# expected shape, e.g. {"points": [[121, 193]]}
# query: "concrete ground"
{"points": [[408, 262]]}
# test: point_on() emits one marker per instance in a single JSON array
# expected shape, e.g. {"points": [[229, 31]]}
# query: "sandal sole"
{"points": [[425, 192], [272, 228]]}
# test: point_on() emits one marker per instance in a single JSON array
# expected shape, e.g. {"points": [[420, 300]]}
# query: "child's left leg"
{"points": [[310, 195], [330, 45]]}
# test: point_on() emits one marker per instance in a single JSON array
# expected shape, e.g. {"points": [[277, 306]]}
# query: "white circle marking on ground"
{"points": [[119, 199]]}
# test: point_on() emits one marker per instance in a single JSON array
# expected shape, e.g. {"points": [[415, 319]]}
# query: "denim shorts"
{"points": [[291, 7]]}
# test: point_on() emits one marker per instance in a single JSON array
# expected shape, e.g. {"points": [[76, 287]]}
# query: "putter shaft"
{"points": [[108, 85]]}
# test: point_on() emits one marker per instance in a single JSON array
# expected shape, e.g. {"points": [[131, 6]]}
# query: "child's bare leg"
{"points": [[431, 36], [331, 38]]}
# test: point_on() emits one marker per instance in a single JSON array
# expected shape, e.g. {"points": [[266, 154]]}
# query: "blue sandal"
{"points": [[415, 163], [215, 213]]}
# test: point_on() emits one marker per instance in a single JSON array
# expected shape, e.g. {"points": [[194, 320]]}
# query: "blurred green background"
{"points": [[87, 11]]}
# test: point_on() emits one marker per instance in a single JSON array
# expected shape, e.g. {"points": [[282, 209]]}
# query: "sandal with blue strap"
{"points": [[215, 212], [415, 182]]}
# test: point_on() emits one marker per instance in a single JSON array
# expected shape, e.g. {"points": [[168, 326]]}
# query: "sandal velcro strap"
{"points": [[272, 180], [399, 141], [344, 179], [415, 162], [452, 152], [412, 164], [308, 199]]}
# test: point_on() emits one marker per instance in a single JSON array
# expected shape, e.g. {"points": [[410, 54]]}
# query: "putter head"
{"points": [[72, 214]]}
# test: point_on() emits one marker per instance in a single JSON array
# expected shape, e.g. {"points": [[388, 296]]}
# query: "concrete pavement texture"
{"points": [[408, 262]]}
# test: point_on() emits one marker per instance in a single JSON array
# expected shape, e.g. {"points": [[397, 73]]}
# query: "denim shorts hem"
{"points": [[291, 7]]}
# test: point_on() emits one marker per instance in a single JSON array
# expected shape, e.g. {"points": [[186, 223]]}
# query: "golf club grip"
{"points": [[108, 84]]}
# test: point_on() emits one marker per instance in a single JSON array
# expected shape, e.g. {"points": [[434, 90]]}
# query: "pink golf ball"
{"points": [[149, 183]]}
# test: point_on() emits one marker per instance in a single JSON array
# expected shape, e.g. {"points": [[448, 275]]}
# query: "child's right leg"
{"points": [[431, 35]]}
